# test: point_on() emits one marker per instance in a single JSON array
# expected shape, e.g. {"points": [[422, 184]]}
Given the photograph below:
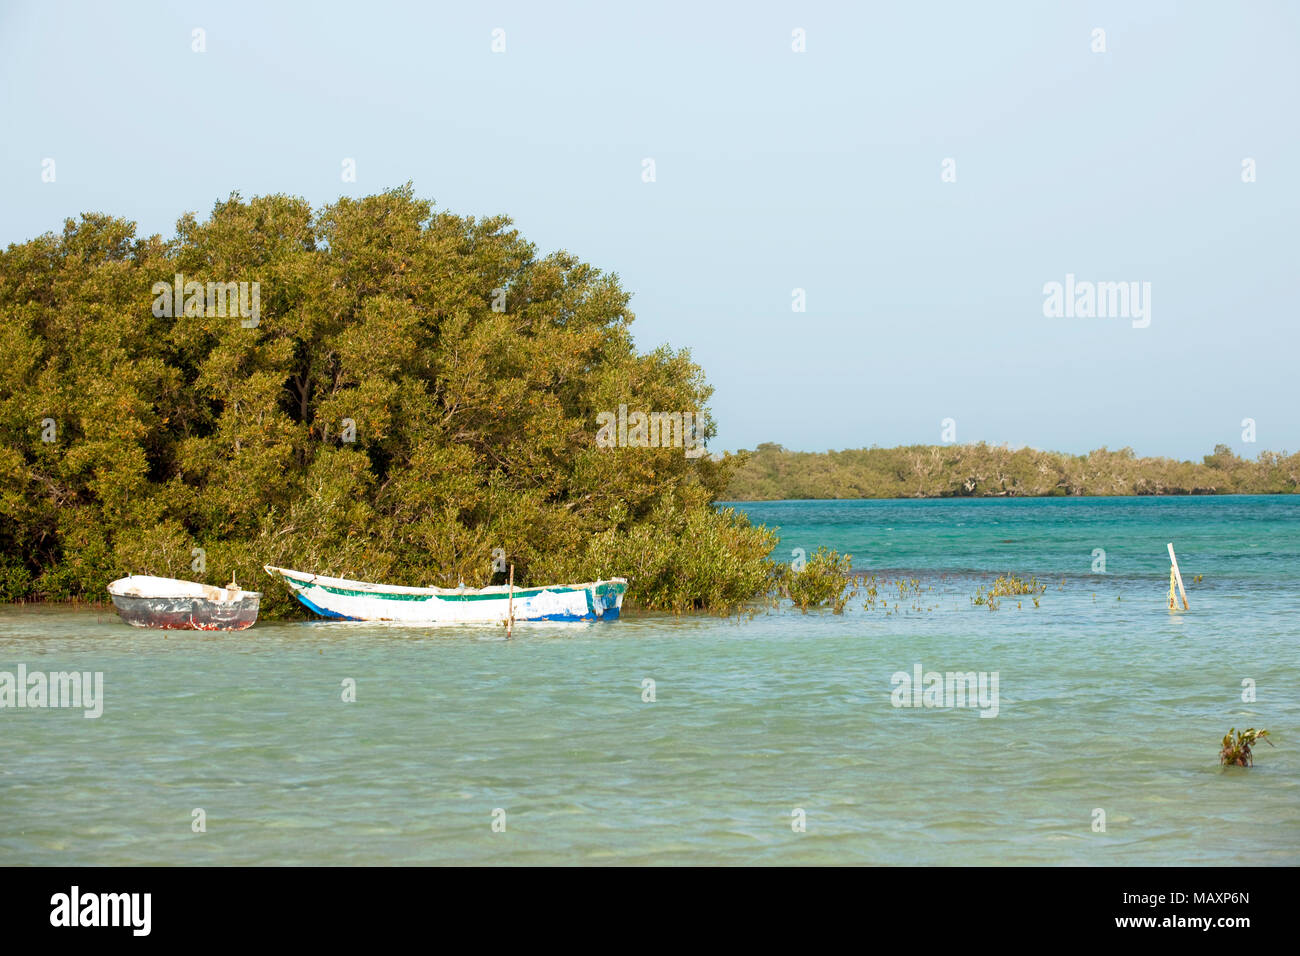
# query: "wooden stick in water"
{"points": [[1177, 575], [510, 620]]}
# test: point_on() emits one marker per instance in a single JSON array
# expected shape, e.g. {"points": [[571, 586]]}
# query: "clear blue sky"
{"points": [[775, 170]]}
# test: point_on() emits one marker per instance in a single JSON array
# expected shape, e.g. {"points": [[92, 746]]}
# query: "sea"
{"points": [[1077, 723]]}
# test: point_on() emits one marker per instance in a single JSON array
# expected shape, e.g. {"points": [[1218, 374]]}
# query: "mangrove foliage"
{"points": [[376, 389]]}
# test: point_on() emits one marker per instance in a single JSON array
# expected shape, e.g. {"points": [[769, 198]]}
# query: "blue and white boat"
{"points": [[348, 600]]}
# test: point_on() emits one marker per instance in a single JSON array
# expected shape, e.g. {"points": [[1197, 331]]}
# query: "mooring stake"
{"points": [[510, 620], [1175, 576]]}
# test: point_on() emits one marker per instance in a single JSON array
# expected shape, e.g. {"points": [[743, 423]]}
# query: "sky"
{"points": [[920, 172]]}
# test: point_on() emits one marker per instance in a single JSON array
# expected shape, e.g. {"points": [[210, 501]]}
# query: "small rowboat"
{"points": [[348, 600], [146, 601]]}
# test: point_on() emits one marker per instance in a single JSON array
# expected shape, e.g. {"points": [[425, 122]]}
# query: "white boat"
{"points": [[171, 604], [348, 600]]}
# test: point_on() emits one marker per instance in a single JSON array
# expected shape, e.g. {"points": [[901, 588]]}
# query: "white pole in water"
{"points": [[510, 620], [1177, 575]]}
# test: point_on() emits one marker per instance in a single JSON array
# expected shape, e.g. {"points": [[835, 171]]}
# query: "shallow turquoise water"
{"points": [[1103, 704]]}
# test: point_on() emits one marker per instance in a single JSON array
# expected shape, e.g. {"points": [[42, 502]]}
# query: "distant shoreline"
{"points": [[771, 473]]}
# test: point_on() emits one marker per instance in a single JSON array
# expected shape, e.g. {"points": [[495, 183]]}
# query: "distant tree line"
{"points": [[980, 470]]}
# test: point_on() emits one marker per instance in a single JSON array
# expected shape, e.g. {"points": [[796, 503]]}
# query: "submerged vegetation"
{"points": [[906, 594], [416, 396], [948, 471], [1008, 585], [826, 580], [1236, 750]]}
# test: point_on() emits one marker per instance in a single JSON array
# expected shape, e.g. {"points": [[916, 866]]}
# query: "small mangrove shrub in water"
{"points": [[822, 582], [908, 598], [1008, 584], [1236, 750]]}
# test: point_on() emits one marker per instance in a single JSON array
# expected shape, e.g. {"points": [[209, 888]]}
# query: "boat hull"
{"points": [[186, 614], [169, 604], [348, 600]]}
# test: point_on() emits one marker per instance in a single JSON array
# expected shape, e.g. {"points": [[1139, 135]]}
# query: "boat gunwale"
{"points": [[224, 596]]}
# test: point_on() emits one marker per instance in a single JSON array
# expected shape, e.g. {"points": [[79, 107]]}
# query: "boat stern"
{"points": [[607, 599]]}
